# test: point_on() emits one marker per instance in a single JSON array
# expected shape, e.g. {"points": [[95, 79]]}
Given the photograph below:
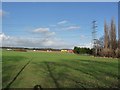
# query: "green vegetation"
{"points": [[0, 68], [50, 69], [79, 50]]}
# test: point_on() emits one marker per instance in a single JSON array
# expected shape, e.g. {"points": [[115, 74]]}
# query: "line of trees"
{"points": [[111, 46], [79, 50]]}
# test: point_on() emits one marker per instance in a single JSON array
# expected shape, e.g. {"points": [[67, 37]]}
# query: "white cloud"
{"points": [[32, 42], [2, 13], [3, 37], [62, 22], [41, 30], [44, 31], [88, 45], [72, 28]]}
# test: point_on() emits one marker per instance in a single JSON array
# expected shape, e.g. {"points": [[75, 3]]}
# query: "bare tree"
{"points": [[118, 50], [106, 36], [105, 51], [110, 42], [113, 41], [119, 36]]}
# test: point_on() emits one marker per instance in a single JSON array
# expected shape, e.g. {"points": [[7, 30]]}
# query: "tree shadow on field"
{"points": [[13, 59], [51, 74], [50, 68], [12, 66], [100, 66], [58, 76]]}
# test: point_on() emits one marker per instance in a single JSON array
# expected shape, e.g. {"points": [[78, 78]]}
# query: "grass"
{"points": [[58, 70], [0, 68]]}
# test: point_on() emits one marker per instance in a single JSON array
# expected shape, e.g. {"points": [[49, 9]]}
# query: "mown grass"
{"points": [[0, 68], [58, 70]]}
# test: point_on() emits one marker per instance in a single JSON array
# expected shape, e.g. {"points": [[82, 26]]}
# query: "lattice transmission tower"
{"points": [[94, 37]]}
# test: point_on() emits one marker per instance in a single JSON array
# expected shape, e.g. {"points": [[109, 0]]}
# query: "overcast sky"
{"points": [[53, 25]]}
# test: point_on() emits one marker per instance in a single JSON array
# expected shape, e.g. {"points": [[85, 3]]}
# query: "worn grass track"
{"points": [[58, 70]]}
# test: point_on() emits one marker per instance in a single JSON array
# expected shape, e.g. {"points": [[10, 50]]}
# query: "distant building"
{"points": [[70, 51], [49, 50], [64, 50], [9, 49]]}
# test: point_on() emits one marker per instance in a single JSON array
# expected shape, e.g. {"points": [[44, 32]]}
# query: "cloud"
{"points": [[8, 41], [72, 28], [44, 31], [3, 37], [88, 45], [2, 13], [62, 22], [41, 30]]}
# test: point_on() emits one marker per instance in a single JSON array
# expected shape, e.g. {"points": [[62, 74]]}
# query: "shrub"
{"points": [[117, 52]]}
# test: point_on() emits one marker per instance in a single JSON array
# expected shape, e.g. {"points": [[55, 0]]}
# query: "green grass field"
{"points": [[58, 70]]}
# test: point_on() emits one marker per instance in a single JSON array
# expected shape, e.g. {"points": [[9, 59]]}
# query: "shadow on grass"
{"points": [[51, 74], [50, 68], [93, 65], [12, 62], [8, 86], [8, 59]]}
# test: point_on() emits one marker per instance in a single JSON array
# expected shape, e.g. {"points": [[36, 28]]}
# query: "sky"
{"points": [[60, 0], [54, 24]]}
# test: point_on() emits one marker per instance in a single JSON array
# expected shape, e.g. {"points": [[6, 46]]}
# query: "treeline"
{"points": [[79, 50], [111, 45], [24, 48]]}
